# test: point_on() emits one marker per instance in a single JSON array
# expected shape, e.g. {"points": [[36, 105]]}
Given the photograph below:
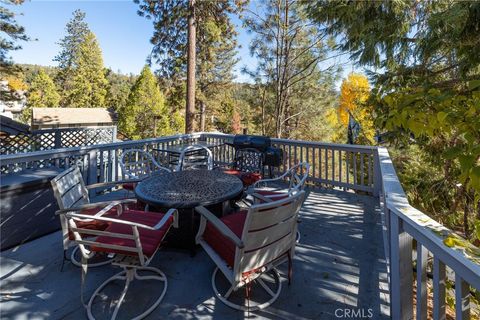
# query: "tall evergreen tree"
{"points": [[42, 93], [88, 85], [10, 33], [76, 32], [171, 39], [145, 114]]}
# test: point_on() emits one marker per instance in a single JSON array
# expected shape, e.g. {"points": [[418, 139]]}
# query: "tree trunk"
{"points": [[202, 115], [190, 108], [263, 110], [466, 212]]}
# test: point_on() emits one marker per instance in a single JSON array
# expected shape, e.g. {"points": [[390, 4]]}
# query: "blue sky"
{"points": [[123, 35]]}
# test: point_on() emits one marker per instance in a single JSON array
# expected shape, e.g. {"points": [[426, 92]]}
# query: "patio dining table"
{"points": [[184, 190]]}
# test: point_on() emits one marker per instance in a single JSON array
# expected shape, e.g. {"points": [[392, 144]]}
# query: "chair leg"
{"points": [[128, 275], [251, 305]]}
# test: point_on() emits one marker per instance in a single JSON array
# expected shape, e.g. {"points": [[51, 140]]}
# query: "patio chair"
{"points": [[137, 164], [197, 160], [247, 246], [247, 165], [267, 190], [273, 188], [71, 194], [134, 237]]}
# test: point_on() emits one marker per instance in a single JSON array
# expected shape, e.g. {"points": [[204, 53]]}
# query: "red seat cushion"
{"points": [[150, 239], [221, 244], [93, 224], [248, 178], [130, 186]]}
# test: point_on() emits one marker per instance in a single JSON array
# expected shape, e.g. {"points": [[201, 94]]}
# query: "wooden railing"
{"points": [[332, 165], [98, 163], [359, 168], [403, 224]]}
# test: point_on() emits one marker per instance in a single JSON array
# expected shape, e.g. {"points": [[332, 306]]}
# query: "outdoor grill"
{"points": [[272, 157], [243, 141]]}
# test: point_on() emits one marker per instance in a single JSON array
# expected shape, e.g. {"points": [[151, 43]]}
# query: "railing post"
{"points": [[377, 174], [462, 299], [422, 258], [92, 170], [439, 283], [58, 139], [401, 273]]}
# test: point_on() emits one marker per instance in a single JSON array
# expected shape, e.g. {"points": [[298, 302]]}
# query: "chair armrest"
{"points": [[103, 204], [117, 220], [219, 225], [166, 216], [111, 184], [261, 197], [259, 182]]}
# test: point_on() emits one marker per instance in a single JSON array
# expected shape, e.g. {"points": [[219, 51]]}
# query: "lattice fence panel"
{"points": [[58, 138]]}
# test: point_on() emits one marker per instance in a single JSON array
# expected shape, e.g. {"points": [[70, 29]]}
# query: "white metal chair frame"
{"points": [[268, 240], [71, 194], [143, 165], [297, 176], [185, 163], [131, 264]]}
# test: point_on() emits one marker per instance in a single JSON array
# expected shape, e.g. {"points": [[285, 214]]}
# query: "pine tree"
{"points": [[213, 35], [10, 33], [145, 114], [77, 30], [89, 85], [41, 94]]}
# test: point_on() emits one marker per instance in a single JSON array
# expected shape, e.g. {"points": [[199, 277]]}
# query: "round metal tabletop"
{"points": [[188, 189]]}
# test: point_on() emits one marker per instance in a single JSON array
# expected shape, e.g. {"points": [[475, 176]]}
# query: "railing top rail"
{"points": [[303, 142], [39, 131], [462, 259]]}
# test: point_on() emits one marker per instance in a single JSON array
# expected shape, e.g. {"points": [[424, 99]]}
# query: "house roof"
{"points": [[10, 126], [62, 116]]}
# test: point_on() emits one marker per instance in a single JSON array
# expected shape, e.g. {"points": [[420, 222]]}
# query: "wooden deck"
{"points": [[340, 264]]}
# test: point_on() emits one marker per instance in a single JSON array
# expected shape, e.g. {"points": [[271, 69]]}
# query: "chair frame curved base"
{"points": [[78, 263], [252, 306], [129, 274]]}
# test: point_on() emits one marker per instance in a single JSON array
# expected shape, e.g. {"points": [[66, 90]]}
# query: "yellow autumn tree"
{"points": [[354, 94]]}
